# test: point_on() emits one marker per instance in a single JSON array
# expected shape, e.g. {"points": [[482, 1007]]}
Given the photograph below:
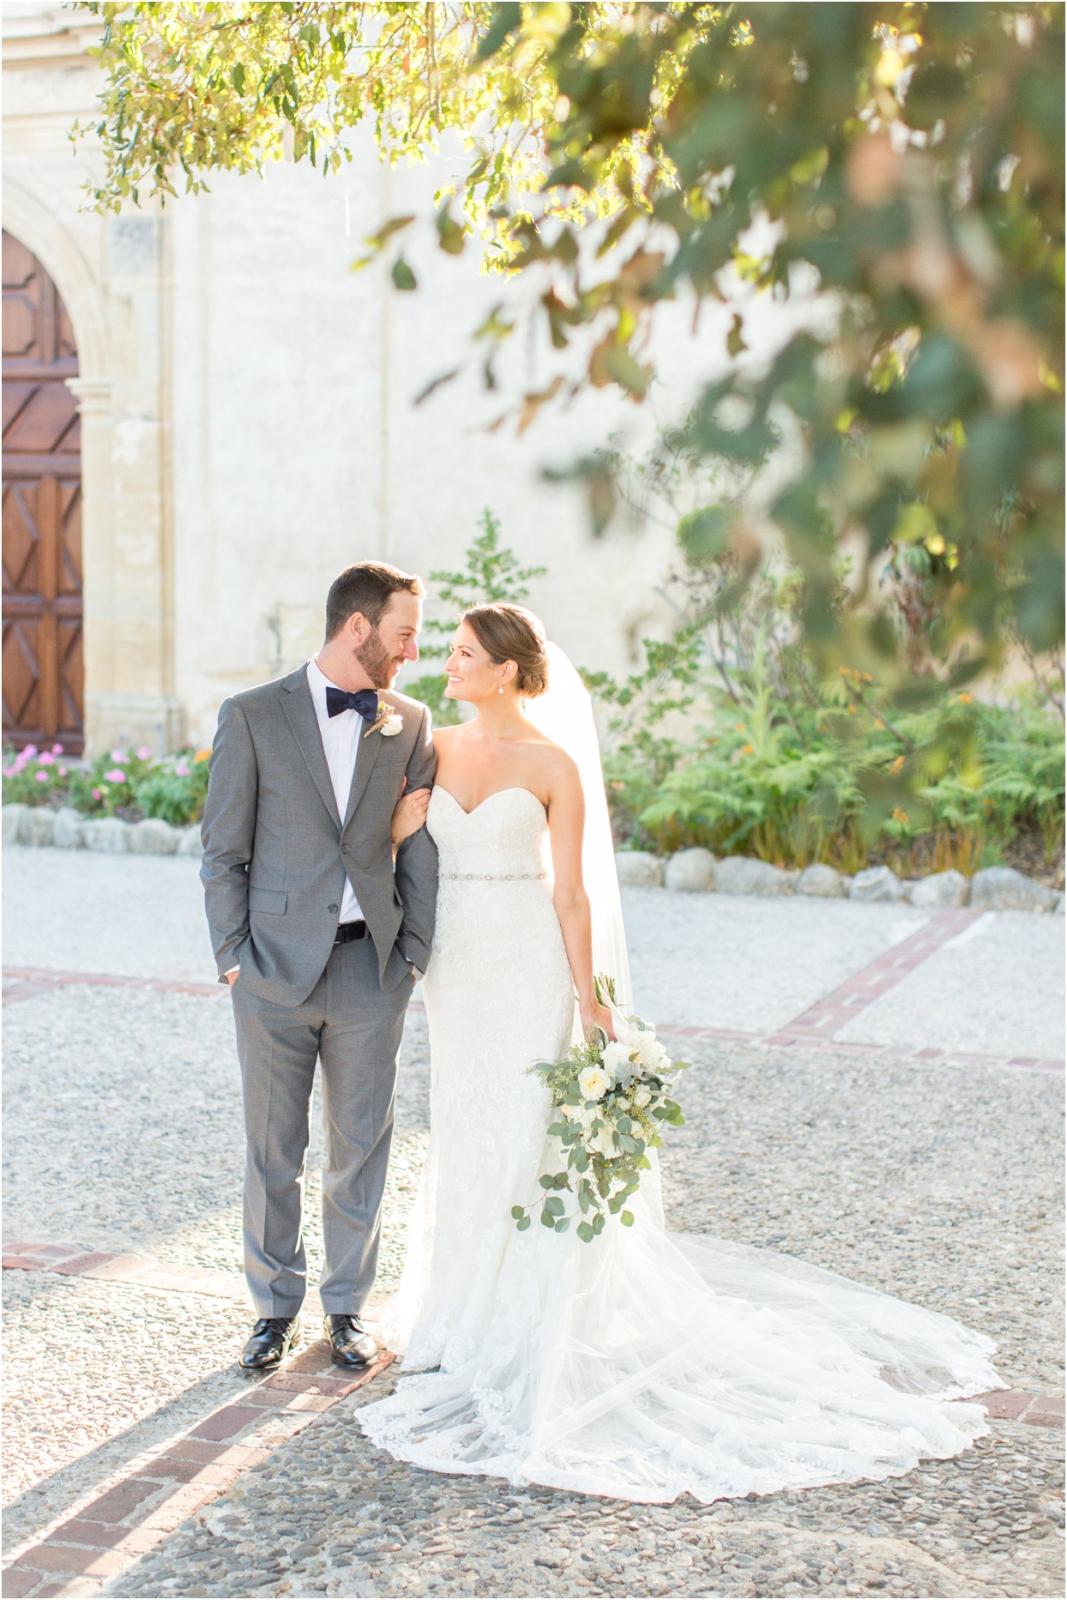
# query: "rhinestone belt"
{"points": [[496, 877]]}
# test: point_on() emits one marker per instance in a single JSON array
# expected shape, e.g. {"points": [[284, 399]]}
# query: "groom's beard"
{"points": [[381, 668]]}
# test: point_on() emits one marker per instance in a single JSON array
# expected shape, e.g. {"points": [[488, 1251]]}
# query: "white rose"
{"points": [[593, 1083], [641, 1096], [652, 1055], [604, 1143], [632, 1030], [392, 725], [618, 1060]]}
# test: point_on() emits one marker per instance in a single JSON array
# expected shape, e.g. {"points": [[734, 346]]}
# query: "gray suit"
{"points": [[276, 853]]}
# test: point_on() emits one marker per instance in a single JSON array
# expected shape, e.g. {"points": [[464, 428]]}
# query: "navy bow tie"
{"points": [[365, 701]]}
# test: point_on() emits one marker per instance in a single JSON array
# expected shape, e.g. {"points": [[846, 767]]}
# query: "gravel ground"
{"points": [[330, 1515], [718, 960], [938, 1183]]}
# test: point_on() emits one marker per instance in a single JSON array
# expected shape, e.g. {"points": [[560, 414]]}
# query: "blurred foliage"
{"points": [[127, 783], [729, 736], [491, 572], [904, 163]]}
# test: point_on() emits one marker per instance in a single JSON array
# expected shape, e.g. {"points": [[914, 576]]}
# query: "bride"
{"points": [[645, 1364]]}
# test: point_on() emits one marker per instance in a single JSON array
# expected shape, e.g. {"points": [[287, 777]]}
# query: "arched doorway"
{"points": [[43, 689]]}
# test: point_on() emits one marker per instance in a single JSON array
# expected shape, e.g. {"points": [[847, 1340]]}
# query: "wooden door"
{"points": [[43, 680]]}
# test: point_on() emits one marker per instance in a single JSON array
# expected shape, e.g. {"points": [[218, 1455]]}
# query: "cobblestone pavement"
{"points": [[919, 1159]]}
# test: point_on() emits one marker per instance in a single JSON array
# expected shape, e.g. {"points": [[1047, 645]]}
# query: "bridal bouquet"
{"points": [[613, 1105]]}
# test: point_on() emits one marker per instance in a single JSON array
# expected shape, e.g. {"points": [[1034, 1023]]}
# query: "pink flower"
{"points": [[118, 755], [28, 752], [42, 777], [181, 770], [62, 772], [46, 759], [116, 775], [144, 753], [97, 795], [57, 749], [9, 772]]}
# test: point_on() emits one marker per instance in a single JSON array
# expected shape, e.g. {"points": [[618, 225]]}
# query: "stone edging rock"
{"points": [[688, 871], [67, 829], [695, 870]]}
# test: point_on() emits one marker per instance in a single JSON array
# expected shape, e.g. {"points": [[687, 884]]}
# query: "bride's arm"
{"points": [[566, 820]]}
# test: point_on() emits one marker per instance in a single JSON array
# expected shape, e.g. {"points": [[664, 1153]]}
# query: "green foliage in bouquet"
{"points": [[613, 1105]]}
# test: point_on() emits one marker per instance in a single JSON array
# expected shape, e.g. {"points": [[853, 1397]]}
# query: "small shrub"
{"points": [[128, 783]]}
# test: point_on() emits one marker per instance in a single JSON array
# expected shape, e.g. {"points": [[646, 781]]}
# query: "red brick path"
{"points": [[815, 1025], [163, 1488]]}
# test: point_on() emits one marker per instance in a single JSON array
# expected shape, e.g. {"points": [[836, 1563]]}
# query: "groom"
{"points": [[321, 937]]}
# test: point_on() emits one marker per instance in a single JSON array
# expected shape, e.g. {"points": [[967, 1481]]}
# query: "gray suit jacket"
{"points": [[276, 851]]}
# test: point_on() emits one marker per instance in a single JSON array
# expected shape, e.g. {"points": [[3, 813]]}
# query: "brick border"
{"points": [[816, 1024], [144, 1272], [834, 1010], [162, 1488], [26, 983]]}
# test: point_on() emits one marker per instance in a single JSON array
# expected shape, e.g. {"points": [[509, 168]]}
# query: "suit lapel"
{"points": [[299, 709], [366, 756]]}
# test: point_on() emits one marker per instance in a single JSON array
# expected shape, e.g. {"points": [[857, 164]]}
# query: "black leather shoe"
{"points": [[350, 1343], [272, 1339]]}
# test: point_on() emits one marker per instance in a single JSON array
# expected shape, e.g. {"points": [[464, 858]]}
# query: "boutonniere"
{"points": [[388, 722]]}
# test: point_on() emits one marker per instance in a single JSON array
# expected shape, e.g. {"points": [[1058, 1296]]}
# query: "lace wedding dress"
{"points": [[644, 1364]]}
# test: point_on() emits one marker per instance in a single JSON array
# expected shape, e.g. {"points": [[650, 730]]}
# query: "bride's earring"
{"points": [[500, 688]]}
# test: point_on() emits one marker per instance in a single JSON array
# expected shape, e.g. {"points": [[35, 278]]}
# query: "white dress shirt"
{"points": [[341, 736]]}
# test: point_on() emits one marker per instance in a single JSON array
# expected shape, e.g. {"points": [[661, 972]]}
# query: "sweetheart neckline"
{"points": [[511, 788]]}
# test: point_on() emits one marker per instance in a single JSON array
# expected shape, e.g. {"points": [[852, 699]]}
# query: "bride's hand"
{"points": [[595, 1015], [409, 814]]}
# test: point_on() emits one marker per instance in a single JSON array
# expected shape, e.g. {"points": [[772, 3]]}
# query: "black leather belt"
{"points": [[350, 930]]}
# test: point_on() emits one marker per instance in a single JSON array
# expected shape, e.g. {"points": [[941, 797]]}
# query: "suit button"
{"points": [[333, 908], [344, 849]]}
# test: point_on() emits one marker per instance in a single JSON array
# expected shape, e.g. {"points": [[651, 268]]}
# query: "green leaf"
{"points": [[517, 1212], [402, 275], [505, 20], [554, 1206], [547, 1219], [237, 77], [585, 1232], [627, 1219], [523, 1224], [627, 371], [546, 1180], [450, 235], [735, 342]]}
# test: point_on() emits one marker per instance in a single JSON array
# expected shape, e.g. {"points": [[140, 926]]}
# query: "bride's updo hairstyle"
{"points": [[511, 633]]}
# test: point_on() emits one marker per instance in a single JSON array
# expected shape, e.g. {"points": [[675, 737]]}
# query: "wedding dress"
{"points": [[643, 1364]]}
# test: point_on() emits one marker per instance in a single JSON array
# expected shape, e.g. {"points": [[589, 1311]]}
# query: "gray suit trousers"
{"points": [[354, 1027]]}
